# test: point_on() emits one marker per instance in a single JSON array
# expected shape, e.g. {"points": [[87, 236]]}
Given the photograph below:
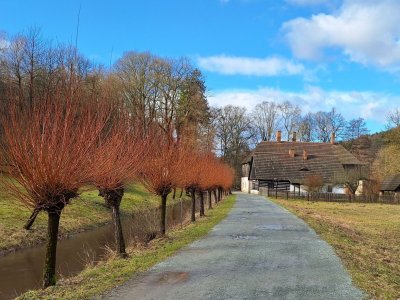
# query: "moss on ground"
{"points": [[365, 236], [98, 279]]}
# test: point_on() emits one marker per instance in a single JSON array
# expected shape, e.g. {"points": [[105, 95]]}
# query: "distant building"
{"points": [[391, 185], [285, 166]]}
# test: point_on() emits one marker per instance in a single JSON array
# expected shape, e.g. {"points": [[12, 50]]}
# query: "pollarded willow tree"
{"points": [[47, 145], [162, 171], [192, 168], [210, 176], [118, 158], [225, 179]]}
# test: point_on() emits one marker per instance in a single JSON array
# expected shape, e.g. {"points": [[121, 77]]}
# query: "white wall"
{"points": [[337, 189], [244, 187]]}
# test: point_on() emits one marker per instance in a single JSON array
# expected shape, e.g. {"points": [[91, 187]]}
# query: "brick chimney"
{"points": [[291, 153], [294, 139], [279, 136], [305, 155], [333, 138]]}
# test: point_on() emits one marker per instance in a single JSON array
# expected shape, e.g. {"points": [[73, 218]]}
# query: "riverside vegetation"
{"points": [[84, 214]]}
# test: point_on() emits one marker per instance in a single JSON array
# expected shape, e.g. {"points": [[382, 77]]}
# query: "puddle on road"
{"points": [[270, 227], [243, 237], [171, 277], [280, 227]]}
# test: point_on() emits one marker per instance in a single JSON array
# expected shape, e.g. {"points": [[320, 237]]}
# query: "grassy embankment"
{"points": [[86, 212], [365, 236], [98, 279]]}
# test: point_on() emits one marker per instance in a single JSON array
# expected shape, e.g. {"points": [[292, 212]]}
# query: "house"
{"points": [[286, 166], [391, 185]]}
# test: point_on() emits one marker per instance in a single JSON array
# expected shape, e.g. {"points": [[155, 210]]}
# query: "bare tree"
{"points": [[264, 118], [168, 92], [306, 129], [233, 134], [356, 128], [336, 123], [322, 131], [393, 118], [327, 123], [290, 116], [140, 85]]}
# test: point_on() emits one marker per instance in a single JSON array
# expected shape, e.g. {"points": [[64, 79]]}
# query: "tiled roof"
{"points": [[391, 183], [271, 161]]}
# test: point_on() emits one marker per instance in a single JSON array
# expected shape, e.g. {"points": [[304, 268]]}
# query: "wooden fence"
{"points": [[332, 197]]}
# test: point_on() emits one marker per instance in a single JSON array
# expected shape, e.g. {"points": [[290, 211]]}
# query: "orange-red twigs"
{"points": [[163, 169], [47, 146], [118, 159]]}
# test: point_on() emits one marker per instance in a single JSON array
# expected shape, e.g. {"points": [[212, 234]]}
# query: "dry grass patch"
{"points": [[365, 236]]}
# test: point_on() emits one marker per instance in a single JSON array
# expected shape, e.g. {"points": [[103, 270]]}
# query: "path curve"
{"points": [[260, 251]]}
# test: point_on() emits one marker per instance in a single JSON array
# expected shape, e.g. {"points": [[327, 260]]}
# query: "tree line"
{"points": [[66, 123]]}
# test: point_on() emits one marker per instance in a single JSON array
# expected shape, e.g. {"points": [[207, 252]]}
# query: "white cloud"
{"points": [[234, 65], [352, 104], [367, 31]]}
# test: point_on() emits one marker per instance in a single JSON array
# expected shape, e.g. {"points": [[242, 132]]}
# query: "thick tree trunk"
{"points": [[113, 200], [209, 200], [193, 196], [201, 203], [118, 234], [49, 275], [215, 196], [163, 213], [31, 219]]}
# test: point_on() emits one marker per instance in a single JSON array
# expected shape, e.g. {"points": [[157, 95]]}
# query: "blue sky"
{"points": [[315, 53]]}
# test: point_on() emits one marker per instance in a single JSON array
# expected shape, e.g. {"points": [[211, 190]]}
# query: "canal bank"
{"points": [[85, 236]]}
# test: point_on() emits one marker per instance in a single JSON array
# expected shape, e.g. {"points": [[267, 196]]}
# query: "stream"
{"points": [[22, 271]]}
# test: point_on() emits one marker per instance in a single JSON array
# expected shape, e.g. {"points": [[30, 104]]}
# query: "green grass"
{"points": [[86, 212], [365, 236], [96, 280]]}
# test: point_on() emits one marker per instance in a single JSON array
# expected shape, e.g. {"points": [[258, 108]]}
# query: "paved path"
{"points": [[260, 251]]}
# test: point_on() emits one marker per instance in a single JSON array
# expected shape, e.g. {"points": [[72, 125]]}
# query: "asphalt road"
{"points": [[260, 251]]}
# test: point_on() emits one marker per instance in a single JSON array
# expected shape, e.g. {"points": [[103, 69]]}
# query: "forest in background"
{"points": [[174, 93]]}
